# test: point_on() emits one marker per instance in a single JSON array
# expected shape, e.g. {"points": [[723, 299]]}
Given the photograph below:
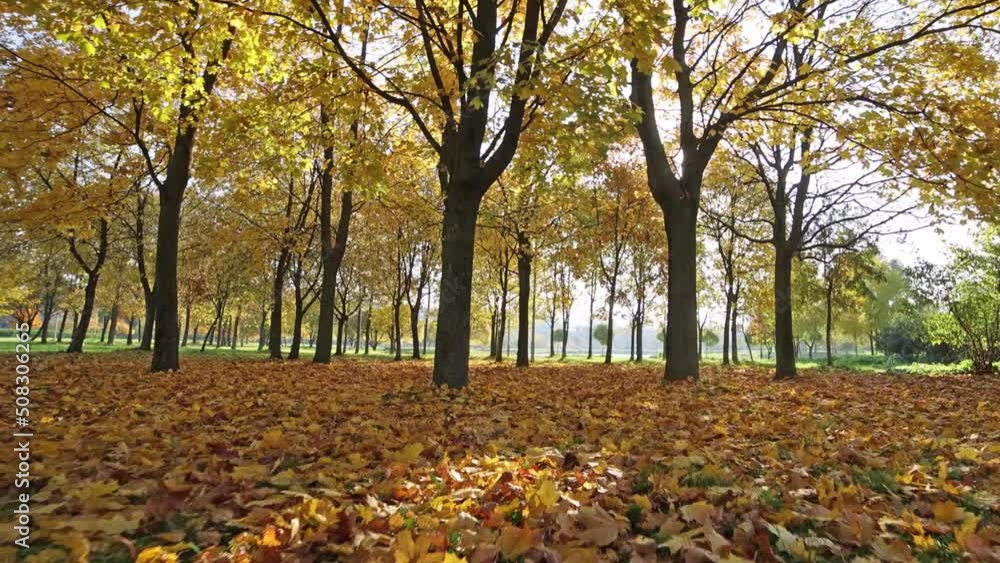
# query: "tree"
{"points": [[969, 289], [765, 75]]}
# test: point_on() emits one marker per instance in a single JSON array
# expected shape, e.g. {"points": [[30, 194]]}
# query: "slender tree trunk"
{"points": [[62, 326], [113, 324], [47, 310], [397, 330], [631, 339], [565, 335], [187, 324], [83, 321], [332, 251], [277, 297], [829, 322], [236, 328], [368, 326], [357, 329], [103, 319], [733, 328], [590, 328], [262, 330], [523, 297], [784, 339], [639, 320], [501, 326], [299, 315], [131, 324], [427, 323], [534, 303], [725, 327], [611, 321]]}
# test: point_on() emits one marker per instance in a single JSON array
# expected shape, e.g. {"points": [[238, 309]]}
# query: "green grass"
{"points": [[860, 363]]}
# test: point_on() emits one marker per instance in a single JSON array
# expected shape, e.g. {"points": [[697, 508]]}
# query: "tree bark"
{"points": [[82, 321], [332, 251], [733, 328], [611, 319], [829, 322], [62, 326], [113, 324], [784, 338], [131, 324], [277, 296], [523, 299], [458, 238], [187, 324]]}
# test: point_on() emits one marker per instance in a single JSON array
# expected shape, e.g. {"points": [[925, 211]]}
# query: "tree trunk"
{"points": [[725, 327], [638, 331], [397, 330], [62, 326], [103, 319], [262, 330], [82, 321], [523, 300], [131, 324], [299, 315], [357, 329], [611, 321], [332, 251], [187, 324], [534, 303], [235, 336], [458, 238], [146, 340], [277, 296], [415, 329], [733, 328], [565, 335], [368, 326], [784, 339], [590, 329], [166, 338], [113, 324], [829, 322], [47, 310], [501, 327]]}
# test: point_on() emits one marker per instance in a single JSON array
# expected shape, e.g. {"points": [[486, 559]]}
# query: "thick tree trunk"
{"points": [[784, 339], [523, 300], [458, 238], [166, 339], [682, 279]]}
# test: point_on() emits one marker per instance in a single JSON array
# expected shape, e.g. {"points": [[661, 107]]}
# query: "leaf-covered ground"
{"points": [[268, 462]]}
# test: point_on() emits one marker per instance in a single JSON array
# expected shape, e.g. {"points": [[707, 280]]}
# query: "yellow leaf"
{"points": [[156, 555], [948, 512], [547, 494], [514, 542], [410, 453]]}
